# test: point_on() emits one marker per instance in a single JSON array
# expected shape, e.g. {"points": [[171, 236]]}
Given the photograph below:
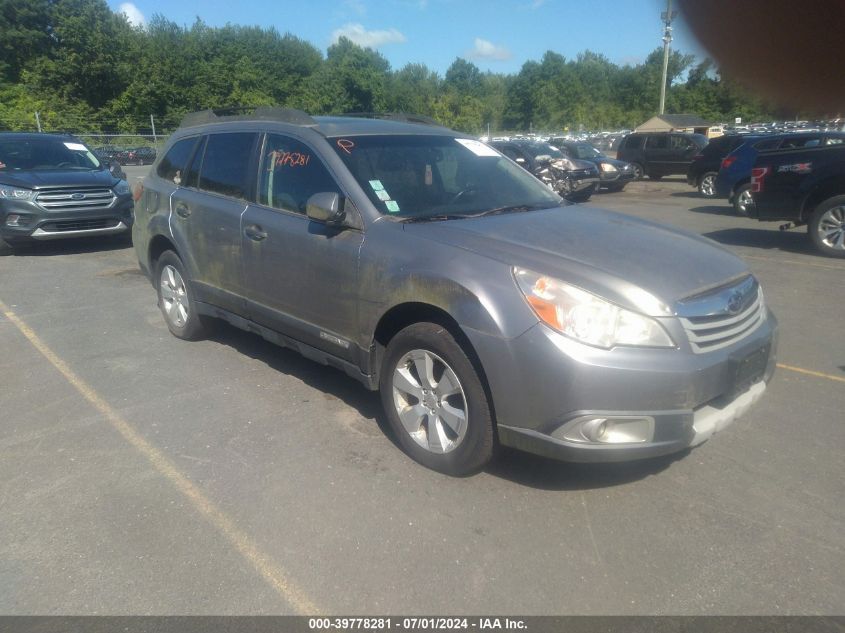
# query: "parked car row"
{"points": [[144, 155]]}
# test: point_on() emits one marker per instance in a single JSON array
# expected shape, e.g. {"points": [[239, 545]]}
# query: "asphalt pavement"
{"points": [[140, 474]]}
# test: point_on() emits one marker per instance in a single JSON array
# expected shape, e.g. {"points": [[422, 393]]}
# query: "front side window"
{"points": [[290, 174], [172, 166], [46, 154], [657, 142], [679, 143], [421, 176], [226, 162]]}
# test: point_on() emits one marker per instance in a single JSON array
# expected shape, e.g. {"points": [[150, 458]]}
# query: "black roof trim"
{"points": [[402, 117], [262, 113]]}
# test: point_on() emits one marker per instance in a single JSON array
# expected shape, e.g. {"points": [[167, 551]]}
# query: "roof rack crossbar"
{"points": [[247, 113]]}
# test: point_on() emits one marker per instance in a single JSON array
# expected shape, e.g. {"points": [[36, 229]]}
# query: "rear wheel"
{"points": [[743, 202], [176, 300], [435, 402], [827, 227], [707, 184]]}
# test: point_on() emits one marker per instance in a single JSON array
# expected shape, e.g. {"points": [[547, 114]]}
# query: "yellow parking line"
{"points": [[262, 563], [810, 372]]}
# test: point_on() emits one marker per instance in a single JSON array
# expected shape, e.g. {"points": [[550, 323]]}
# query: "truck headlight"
{"points": [[586, 317], [13, 193]]}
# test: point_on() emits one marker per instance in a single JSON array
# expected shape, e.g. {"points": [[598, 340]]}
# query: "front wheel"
{"points": [[638, 170], [827, 227], [707, 184], [435, 401]]}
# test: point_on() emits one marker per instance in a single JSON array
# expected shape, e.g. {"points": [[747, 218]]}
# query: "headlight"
{"points": [[16, 194], [607, 167], [586, 317], [121, 188]]}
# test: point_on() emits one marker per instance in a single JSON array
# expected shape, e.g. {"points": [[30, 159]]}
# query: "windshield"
{"points": [[423, 177], [584, 151], [46, 154]]}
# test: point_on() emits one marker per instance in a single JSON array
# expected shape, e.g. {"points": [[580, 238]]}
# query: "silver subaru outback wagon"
{"points": [[484, 309]]}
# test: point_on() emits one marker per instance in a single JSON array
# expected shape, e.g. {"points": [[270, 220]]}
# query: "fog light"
{"points": [[13, 220], [608, 430]]}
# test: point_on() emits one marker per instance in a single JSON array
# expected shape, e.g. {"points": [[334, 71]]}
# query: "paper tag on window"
{"points": [[77, 147], [383, 195], [477, 147], [428, 178], [392, 206], [376, 185]]}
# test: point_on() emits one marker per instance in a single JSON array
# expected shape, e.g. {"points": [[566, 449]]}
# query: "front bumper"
{"points": [[581, 181], [616, 177], [543, 384], [54, 224]]}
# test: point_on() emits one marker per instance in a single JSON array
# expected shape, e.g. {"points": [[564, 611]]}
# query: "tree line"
{"points": [[84, 68]]}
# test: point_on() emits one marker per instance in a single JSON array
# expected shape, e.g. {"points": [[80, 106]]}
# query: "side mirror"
{"points": [[326, 208], [114, 169]]}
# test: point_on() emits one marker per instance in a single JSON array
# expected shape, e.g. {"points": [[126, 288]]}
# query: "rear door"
{"points": [[778, 189], [656, 154], [301, 276], [205, 216], [681, 152]]}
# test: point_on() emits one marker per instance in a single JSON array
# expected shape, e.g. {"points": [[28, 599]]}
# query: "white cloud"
{"points": [[537, 4], [356, 6], [484, 49], [368, 39], [133, 14]]}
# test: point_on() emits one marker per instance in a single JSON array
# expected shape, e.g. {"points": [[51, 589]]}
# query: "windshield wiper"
{"points": [[435, 218], [516, 208]]}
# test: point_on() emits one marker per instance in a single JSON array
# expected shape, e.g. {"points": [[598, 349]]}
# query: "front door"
{"points": [[301, 276]]}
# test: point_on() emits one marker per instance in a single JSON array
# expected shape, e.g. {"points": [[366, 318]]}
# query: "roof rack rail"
{"points": [[395, 116], [248, 113]]}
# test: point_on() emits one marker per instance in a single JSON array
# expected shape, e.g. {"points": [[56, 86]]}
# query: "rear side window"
{"points": [[657, 142], [632, 142], [769, 143], [172, 166], [290, 174], [225, 165], [802, 141]]}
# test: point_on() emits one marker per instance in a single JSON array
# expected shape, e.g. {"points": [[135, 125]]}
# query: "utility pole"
{"points": [[38, 120], [153, 124], [667, 18]]}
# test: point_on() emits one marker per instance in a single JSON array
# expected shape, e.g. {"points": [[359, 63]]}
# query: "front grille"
{"points": [[708, 333], [79, 225], [76, 198]]}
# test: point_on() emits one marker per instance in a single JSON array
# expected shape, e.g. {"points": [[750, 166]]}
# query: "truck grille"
{"points": [[712, 332], [76, 198]]}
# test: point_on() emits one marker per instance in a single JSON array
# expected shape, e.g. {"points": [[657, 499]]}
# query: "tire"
{"points": [[639, 172], [5, 248], [615, 188], [707, 184], [827, 227], [742, 200], [176, 300], [464, 441]]}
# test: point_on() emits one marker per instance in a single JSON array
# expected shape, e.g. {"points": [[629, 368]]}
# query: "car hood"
{"points": [[58, 178], [641, 265]]}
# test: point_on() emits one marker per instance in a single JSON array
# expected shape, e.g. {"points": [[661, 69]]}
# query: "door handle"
{"points": [[255, 232], [182, 210]]}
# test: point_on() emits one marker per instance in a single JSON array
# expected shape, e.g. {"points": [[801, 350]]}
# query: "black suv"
{"points": [[658, 154], [52, 186], [705, 166]]}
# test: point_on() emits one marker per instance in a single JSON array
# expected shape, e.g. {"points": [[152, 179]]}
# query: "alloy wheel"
{"points": [[744, 201], [174, 296], [430, 401], [708, 186], [831, 229]]}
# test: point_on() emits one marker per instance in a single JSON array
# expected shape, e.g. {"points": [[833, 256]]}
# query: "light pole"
{"points": [[667, 17]]}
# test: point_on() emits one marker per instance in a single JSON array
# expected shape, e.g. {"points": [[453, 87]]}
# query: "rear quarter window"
{"points": [[226, 164], [172, 166]]}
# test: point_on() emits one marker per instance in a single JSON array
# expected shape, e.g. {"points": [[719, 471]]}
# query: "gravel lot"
{"points": [[140, 474]]}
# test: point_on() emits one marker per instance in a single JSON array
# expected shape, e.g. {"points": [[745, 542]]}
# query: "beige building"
{"points": [[680, 123]]}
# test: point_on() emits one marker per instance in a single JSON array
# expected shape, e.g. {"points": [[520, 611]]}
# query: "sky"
{"points": [[496, 35]]}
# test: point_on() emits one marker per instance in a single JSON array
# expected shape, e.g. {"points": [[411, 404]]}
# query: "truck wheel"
{"points": [[742, 201], [435, 402], [707, 184], [827, 227]]}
